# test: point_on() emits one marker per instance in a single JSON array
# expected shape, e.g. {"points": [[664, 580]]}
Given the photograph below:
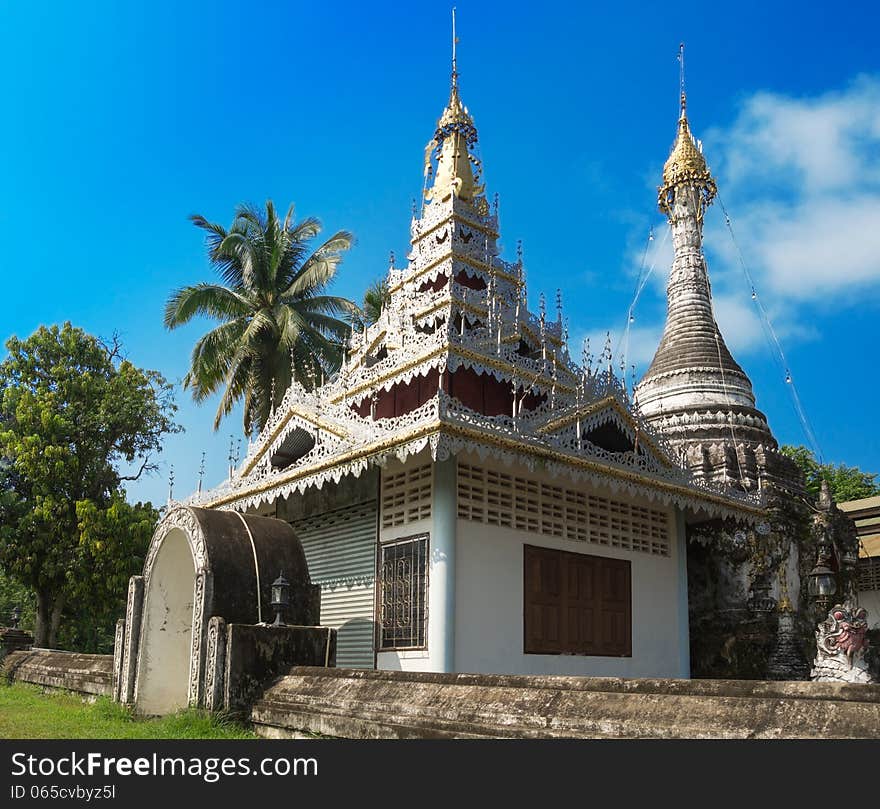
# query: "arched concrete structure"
{"points": [[203, 563], [167, 622]]}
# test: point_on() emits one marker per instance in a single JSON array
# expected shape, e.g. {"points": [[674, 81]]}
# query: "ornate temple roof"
{"points": [[456, 362]]}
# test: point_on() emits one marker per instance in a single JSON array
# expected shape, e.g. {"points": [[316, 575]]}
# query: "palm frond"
{"points": [[210, 300]]}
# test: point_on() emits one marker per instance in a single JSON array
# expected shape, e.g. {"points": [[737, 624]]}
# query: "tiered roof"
{"points": [[457, 363]]}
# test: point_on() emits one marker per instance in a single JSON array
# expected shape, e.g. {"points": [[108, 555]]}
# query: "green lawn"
{"points": [[26, 712]]}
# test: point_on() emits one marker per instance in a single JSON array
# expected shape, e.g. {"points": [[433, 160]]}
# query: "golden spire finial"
{"points": [[686, 163], [452, 145], [455, 112]]}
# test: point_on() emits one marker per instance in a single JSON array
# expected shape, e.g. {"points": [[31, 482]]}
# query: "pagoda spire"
{"points": [[691, 338], [693, 372], [458, 168]]}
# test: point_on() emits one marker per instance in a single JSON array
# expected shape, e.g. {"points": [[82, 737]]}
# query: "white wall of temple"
{"points": [[490, 597], [490, 606], [166, 631], [476, 585], [440, 526]]}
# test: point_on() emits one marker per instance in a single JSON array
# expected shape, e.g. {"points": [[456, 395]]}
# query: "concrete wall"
{"points": [[256, 655], [70, 671], [433, 658], [396, 705], [489, 607]]}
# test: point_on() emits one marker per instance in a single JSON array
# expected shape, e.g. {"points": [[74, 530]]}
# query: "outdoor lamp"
{"points": [[280, 598], [16, 616], [822, 583]]}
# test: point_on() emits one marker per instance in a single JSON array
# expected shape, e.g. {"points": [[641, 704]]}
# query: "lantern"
{"points": [[280, 598], [822, 583]]}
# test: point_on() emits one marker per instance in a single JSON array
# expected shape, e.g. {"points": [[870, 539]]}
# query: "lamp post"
{"points": [[280, 598], [822, 583]]}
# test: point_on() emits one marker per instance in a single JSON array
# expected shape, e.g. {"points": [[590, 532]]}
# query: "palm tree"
{"points": [[376, 298], [276, 320]]}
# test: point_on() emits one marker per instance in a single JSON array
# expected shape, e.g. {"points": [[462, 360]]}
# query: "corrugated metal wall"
{"points": [[340, 548]]}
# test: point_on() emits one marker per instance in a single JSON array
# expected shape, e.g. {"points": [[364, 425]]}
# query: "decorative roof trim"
{"points": [[644, 433], [449, 439]]}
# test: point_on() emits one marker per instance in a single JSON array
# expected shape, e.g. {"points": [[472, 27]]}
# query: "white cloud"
{"points": [[801, 180]]}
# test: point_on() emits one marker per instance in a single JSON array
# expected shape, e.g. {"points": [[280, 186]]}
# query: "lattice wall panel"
{"points": [[498, 498], [869, 574], [406, 496]]}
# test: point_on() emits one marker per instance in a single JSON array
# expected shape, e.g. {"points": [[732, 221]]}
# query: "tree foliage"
{"points": [[73, 414], [376, 298], [276, 320], [844, 482]]}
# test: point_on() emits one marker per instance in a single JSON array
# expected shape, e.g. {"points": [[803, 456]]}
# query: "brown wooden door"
{"points": [[543, 601]]}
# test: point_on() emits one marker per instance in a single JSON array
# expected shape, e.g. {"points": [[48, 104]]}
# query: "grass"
{"points": [[27, 712]]}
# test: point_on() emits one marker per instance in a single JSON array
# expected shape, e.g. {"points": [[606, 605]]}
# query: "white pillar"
{"points": [[684, 632], [441, 584]]}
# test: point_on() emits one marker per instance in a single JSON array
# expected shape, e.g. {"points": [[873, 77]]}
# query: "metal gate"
{"points": [[340, 548]]}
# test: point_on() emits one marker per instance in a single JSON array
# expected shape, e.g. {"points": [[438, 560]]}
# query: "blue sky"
{"points": [[120, 120]]}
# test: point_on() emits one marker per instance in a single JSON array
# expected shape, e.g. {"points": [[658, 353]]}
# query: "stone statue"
{"points": [[840, 646]]}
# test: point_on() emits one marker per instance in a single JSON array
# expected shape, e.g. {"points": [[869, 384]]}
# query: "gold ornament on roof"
{"points": [[685, 165], [458, 169], [456, 113]]}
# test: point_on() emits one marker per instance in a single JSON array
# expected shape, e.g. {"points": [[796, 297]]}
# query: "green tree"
{"points": [[14, 594], [276, 320], [844, 482], [376, 298], [73, 413]]}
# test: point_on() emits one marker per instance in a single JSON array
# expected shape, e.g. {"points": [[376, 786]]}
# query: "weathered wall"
{"points": [[382, 704], [255, 655], [71, 671]]}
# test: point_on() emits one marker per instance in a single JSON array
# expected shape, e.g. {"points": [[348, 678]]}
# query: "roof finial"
{"points": [[686, 164], [682, 96], [454, 41]]}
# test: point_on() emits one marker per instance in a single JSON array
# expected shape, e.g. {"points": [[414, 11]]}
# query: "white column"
{"points": [[684, 632], [441, 584]]}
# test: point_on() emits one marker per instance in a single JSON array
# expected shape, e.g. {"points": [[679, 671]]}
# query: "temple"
{"points": [[469, 498]]}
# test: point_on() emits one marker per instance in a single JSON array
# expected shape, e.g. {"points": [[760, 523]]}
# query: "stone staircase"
{"points": [[351, 703]]}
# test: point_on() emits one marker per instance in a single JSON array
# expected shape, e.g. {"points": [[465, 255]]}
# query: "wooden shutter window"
{"points": [[576, 604]]}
